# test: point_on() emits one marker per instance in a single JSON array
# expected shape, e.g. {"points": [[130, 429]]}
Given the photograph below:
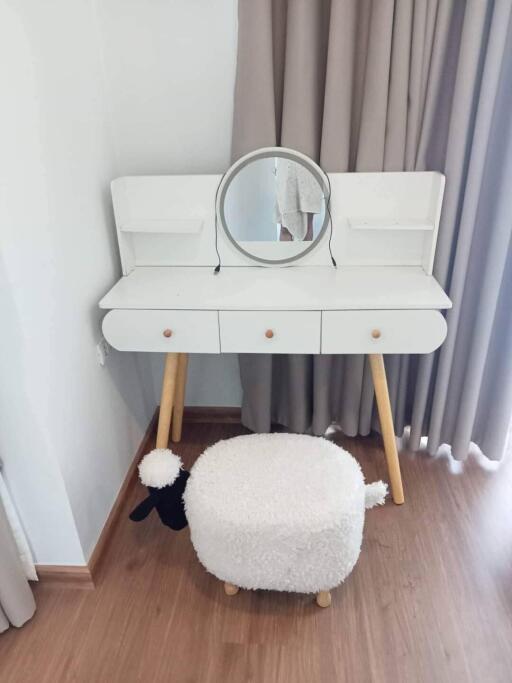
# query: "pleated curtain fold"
{"points": [[16, 600], [390, 85]]}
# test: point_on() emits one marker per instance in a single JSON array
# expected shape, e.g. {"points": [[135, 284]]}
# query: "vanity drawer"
{"points": [[270, 331], [377, 331], [162, 331]]}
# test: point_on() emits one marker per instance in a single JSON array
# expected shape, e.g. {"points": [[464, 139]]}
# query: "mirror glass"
{"points": [[272, 205]]}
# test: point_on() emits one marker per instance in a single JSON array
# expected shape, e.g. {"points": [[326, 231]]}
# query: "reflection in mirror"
{"points": [[274, 199]]}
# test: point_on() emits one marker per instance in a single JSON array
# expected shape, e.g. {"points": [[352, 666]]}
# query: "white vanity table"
{"points": [[380, 299]]}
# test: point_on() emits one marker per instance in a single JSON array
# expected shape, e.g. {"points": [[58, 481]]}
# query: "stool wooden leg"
{"points": [[166, 401], [323, 599], [179, 397], [386, 424], [230, 589]]}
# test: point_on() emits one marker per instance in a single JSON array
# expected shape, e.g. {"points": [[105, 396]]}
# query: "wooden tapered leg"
{"points": [[323, 599], [386, 424], [166, 400], [230, 589], [179, 397]]}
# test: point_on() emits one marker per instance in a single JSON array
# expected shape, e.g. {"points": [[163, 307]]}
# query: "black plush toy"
{"points": [[162, 472]]}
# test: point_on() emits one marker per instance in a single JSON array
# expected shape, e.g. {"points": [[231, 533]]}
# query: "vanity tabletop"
{"points": [[293, 288]]}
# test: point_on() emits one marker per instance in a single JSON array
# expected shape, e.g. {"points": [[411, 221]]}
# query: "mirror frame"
{"points": [[265, 153]]}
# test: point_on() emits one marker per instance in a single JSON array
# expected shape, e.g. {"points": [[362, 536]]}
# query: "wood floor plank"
{"points": [[430, 599]]}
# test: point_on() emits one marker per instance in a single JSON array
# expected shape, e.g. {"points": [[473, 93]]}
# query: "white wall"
{"points": [[69, 427], [170, 68], [170, 71], [90, 91], [249, 204]]}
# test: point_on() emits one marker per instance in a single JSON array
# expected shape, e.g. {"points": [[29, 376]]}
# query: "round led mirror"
{"points": [[272, 205]]}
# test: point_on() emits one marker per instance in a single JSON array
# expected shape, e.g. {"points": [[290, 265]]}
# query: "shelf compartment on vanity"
{"points": [[181, 226], [383, 224]]}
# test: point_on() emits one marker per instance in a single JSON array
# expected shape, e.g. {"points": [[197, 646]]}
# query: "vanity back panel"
{"points": [[377, 218]]}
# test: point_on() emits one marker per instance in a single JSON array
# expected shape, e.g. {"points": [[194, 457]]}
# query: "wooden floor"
{"points": [[429, 600]]}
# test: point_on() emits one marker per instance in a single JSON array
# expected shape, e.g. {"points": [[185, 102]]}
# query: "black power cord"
{"points": [[216, 270], [328, 206]]}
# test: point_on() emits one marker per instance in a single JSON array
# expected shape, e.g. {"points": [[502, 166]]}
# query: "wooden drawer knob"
{"points": [[376, 334], [269, 334], [167, 333]]}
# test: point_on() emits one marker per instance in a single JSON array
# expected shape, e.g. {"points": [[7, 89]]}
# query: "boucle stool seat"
{"points": [[278, 511]]}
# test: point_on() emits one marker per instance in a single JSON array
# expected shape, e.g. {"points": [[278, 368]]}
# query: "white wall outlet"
{"points": [[102, 351]]}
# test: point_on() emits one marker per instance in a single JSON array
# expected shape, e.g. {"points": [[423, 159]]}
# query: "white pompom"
{"points": [[375, 494], [159, 468]]}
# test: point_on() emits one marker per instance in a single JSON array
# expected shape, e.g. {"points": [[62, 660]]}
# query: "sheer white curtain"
{"points": [[24, 552], [16, 565], [16, 600]]}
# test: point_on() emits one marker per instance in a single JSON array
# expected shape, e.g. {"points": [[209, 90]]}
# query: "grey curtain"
{"points": [[386, 85], [16, 600]]}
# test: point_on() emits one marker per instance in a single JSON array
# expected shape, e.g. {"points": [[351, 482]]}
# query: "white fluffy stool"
{"points": [[278, 511]]}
